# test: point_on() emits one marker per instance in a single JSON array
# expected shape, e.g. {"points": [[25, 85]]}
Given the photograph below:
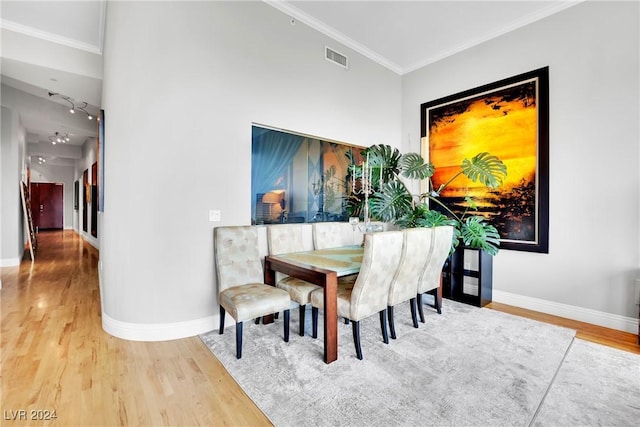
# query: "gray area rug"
{"points": [[466, 367], [595, 386]]}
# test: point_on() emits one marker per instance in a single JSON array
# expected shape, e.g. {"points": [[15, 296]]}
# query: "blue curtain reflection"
{"points": [[272, 153]]}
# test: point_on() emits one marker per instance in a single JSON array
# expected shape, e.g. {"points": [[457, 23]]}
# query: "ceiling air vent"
{"points": [[335, 57]]}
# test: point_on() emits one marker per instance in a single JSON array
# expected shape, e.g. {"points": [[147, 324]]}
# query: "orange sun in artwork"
{"points": [[505, 126]]}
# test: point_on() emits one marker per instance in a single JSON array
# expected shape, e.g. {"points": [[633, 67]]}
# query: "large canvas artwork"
{"points": [[509, 119]]}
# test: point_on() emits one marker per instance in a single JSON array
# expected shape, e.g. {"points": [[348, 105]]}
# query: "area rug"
{"points": [[595, 386], [466, 367]]}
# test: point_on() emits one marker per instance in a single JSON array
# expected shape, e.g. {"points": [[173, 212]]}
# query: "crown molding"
{"points": [[331, 32], [50, 37], [524, 21]]}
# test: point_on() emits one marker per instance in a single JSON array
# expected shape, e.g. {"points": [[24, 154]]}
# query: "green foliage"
{"points": [[384, 155], [475, 232], [392, 201], [486, 168], [414, 167], [422, 216]]}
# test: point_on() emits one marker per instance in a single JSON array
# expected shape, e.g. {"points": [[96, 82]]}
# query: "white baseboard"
{"points": [[607, 320], [154, 332], [9, 262], [91, 240], [157, 332]]}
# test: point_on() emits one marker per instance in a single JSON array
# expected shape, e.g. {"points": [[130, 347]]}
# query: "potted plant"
{"points": [[379, 189]]}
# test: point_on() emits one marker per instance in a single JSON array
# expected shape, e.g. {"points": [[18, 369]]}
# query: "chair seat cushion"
{"points": [[298, 289], [345, 286], [253, 300]]}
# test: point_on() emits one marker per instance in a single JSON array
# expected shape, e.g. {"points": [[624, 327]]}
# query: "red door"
{"points": [[47, 205]]}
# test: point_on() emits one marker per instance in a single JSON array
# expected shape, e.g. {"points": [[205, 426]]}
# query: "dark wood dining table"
{"points": [[322, 267]]}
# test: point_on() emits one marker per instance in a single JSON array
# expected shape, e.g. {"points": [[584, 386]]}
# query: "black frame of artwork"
{"points": [[453, 107]]}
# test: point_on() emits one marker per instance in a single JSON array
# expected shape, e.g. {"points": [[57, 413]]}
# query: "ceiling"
{"points": [[40, 56]]}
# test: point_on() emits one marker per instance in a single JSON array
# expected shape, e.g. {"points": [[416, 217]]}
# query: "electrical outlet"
{"points": [[214, 216]]}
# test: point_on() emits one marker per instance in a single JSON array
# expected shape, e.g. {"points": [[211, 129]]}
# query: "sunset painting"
{"points": [[504, 122]]}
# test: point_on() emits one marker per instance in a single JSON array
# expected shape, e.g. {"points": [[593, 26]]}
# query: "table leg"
{"points": [[269, 279], [331, 318]]}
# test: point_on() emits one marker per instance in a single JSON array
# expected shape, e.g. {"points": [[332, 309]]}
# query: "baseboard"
{"points": [[607, 320], [100, 282], [9, 262], [91, 240], [157, 331], [153, 332]]}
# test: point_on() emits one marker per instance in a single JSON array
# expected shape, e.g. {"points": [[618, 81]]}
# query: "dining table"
{"points": [[322, 267]]}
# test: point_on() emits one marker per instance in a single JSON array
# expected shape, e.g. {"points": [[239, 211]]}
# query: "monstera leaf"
{"points": [[414, 167], [384, 155], [486, 168], [476, 233], [393, 201]]}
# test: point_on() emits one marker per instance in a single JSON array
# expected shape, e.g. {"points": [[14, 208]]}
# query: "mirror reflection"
{"points": [[299, 178]]}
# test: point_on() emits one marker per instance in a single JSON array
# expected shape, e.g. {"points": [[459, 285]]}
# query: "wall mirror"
{"points": [[299, 178]]}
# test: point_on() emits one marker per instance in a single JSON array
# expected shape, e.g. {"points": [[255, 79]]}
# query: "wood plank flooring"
{"points": [[56, 357]]}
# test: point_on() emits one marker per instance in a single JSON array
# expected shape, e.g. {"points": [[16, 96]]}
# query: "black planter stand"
{"points": [[467, 277]]}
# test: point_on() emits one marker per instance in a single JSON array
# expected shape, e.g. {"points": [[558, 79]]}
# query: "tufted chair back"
{"points": [[286, 238], [415, 252], [283, 239], [242, 292], [382, 252], [440, 247], [327, 235], [236, 256]]}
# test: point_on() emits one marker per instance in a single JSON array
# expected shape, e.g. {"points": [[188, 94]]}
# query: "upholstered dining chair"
{"points": [[404, 286], [282, 239], [241, 289], [327, 235], [368, 295], [330, 235], [432, 274]]}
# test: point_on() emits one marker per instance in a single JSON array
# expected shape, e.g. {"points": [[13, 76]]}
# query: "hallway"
{"points": [[57, 360]]}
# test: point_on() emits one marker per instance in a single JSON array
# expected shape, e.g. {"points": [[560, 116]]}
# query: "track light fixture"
{"points": [[41, 160], [89, 116], [57, 137], [73, 108]]}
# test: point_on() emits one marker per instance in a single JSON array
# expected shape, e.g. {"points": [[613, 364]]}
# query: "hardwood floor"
{"points": [[586, 331], [56, 357]]}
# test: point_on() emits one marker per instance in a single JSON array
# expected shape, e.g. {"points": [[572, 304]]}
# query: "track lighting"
{"points": [[73, 108], [41, 160], [57, 137], [89, 116]]}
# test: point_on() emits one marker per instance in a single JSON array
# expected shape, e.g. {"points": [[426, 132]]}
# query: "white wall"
{"points": [[179, 99], [592, 51], [12, 145]]}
